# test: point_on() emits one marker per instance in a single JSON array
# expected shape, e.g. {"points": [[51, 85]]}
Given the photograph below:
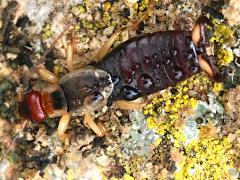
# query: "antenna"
{"points": [[23, 125]]}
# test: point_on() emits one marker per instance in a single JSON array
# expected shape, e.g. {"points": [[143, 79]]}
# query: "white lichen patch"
{"points": [[212, 111], [38, 12], [86, 170], [4, 165], [138, 139], [191, 130]]}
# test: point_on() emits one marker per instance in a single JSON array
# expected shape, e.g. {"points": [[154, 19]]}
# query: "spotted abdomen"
{"points": [[149, 63]]}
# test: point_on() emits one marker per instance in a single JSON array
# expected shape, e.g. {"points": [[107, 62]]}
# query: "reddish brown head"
{"points": [[31, 107]]}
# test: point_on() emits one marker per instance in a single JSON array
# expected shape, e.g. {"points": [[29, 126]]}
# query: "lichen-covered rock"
{"points": [[232, 12], [139, 138], [232, 103]]}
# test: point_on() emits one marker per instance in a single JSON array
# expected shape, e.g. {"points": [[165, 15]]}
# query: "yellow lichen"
{"points": [[206, 158], [128, 177], [59, 70], [132, 165], [217, 87], [107, 6], [223, 37], [78, 9], [224, 56], [164, 111], [171, 101], [143, 5], [222, 33]]}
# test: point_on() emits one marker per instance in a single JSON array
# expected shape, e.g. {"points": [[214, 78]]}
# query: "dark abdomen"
{"points": [[149, 63]]}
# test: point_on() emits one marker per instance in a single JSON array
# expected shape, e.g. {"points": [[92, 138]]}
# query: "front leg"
{"points": [[63, 124], [89, 122], [46, 93], [47, 75]]}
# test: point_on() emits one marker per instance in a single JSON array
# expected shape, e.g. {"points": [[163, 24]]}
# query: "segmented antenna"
{"points": [[24, 124], [25, 83]]}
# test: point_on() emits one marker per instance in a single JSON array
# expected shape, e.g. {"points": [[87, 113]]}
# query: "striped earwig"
{"points": [[136, 68]]}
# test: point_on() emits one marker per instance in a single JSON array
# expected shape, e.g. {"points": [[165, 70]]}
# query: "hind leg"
{"points": [[129, 105], [89, 122]]}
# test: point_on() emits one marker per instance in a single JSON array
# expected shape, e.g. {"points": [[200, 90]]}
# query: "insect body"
{"points": [[136, 68], [150, 63]]}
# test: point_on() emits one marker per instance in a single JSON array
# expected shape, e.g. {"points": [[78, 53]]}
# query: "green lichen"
{"points": [[59, 70], [46, 33]]}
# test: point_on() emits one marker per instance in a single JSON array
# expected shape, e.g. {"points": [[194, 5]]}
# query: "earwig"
{"points": [[136, 68]]}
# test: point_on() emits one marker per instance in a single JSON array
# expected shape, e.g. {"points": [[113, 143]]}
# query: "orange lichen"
{"points": [[176, 155], [209, 131]]}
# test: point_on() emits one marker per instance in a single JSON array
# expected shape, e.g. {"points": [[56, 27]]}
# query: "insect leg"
{"points": [[88, 120], [71, 50], [129, 105], [104, 50], [69, 60], [102, 127], [47, 75], [63, 124]]}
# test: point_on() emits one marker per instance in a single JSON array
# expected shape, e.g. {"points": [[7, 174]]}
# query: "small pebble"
{"points": [[119, 114], [108, 31], [29, 137]]}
